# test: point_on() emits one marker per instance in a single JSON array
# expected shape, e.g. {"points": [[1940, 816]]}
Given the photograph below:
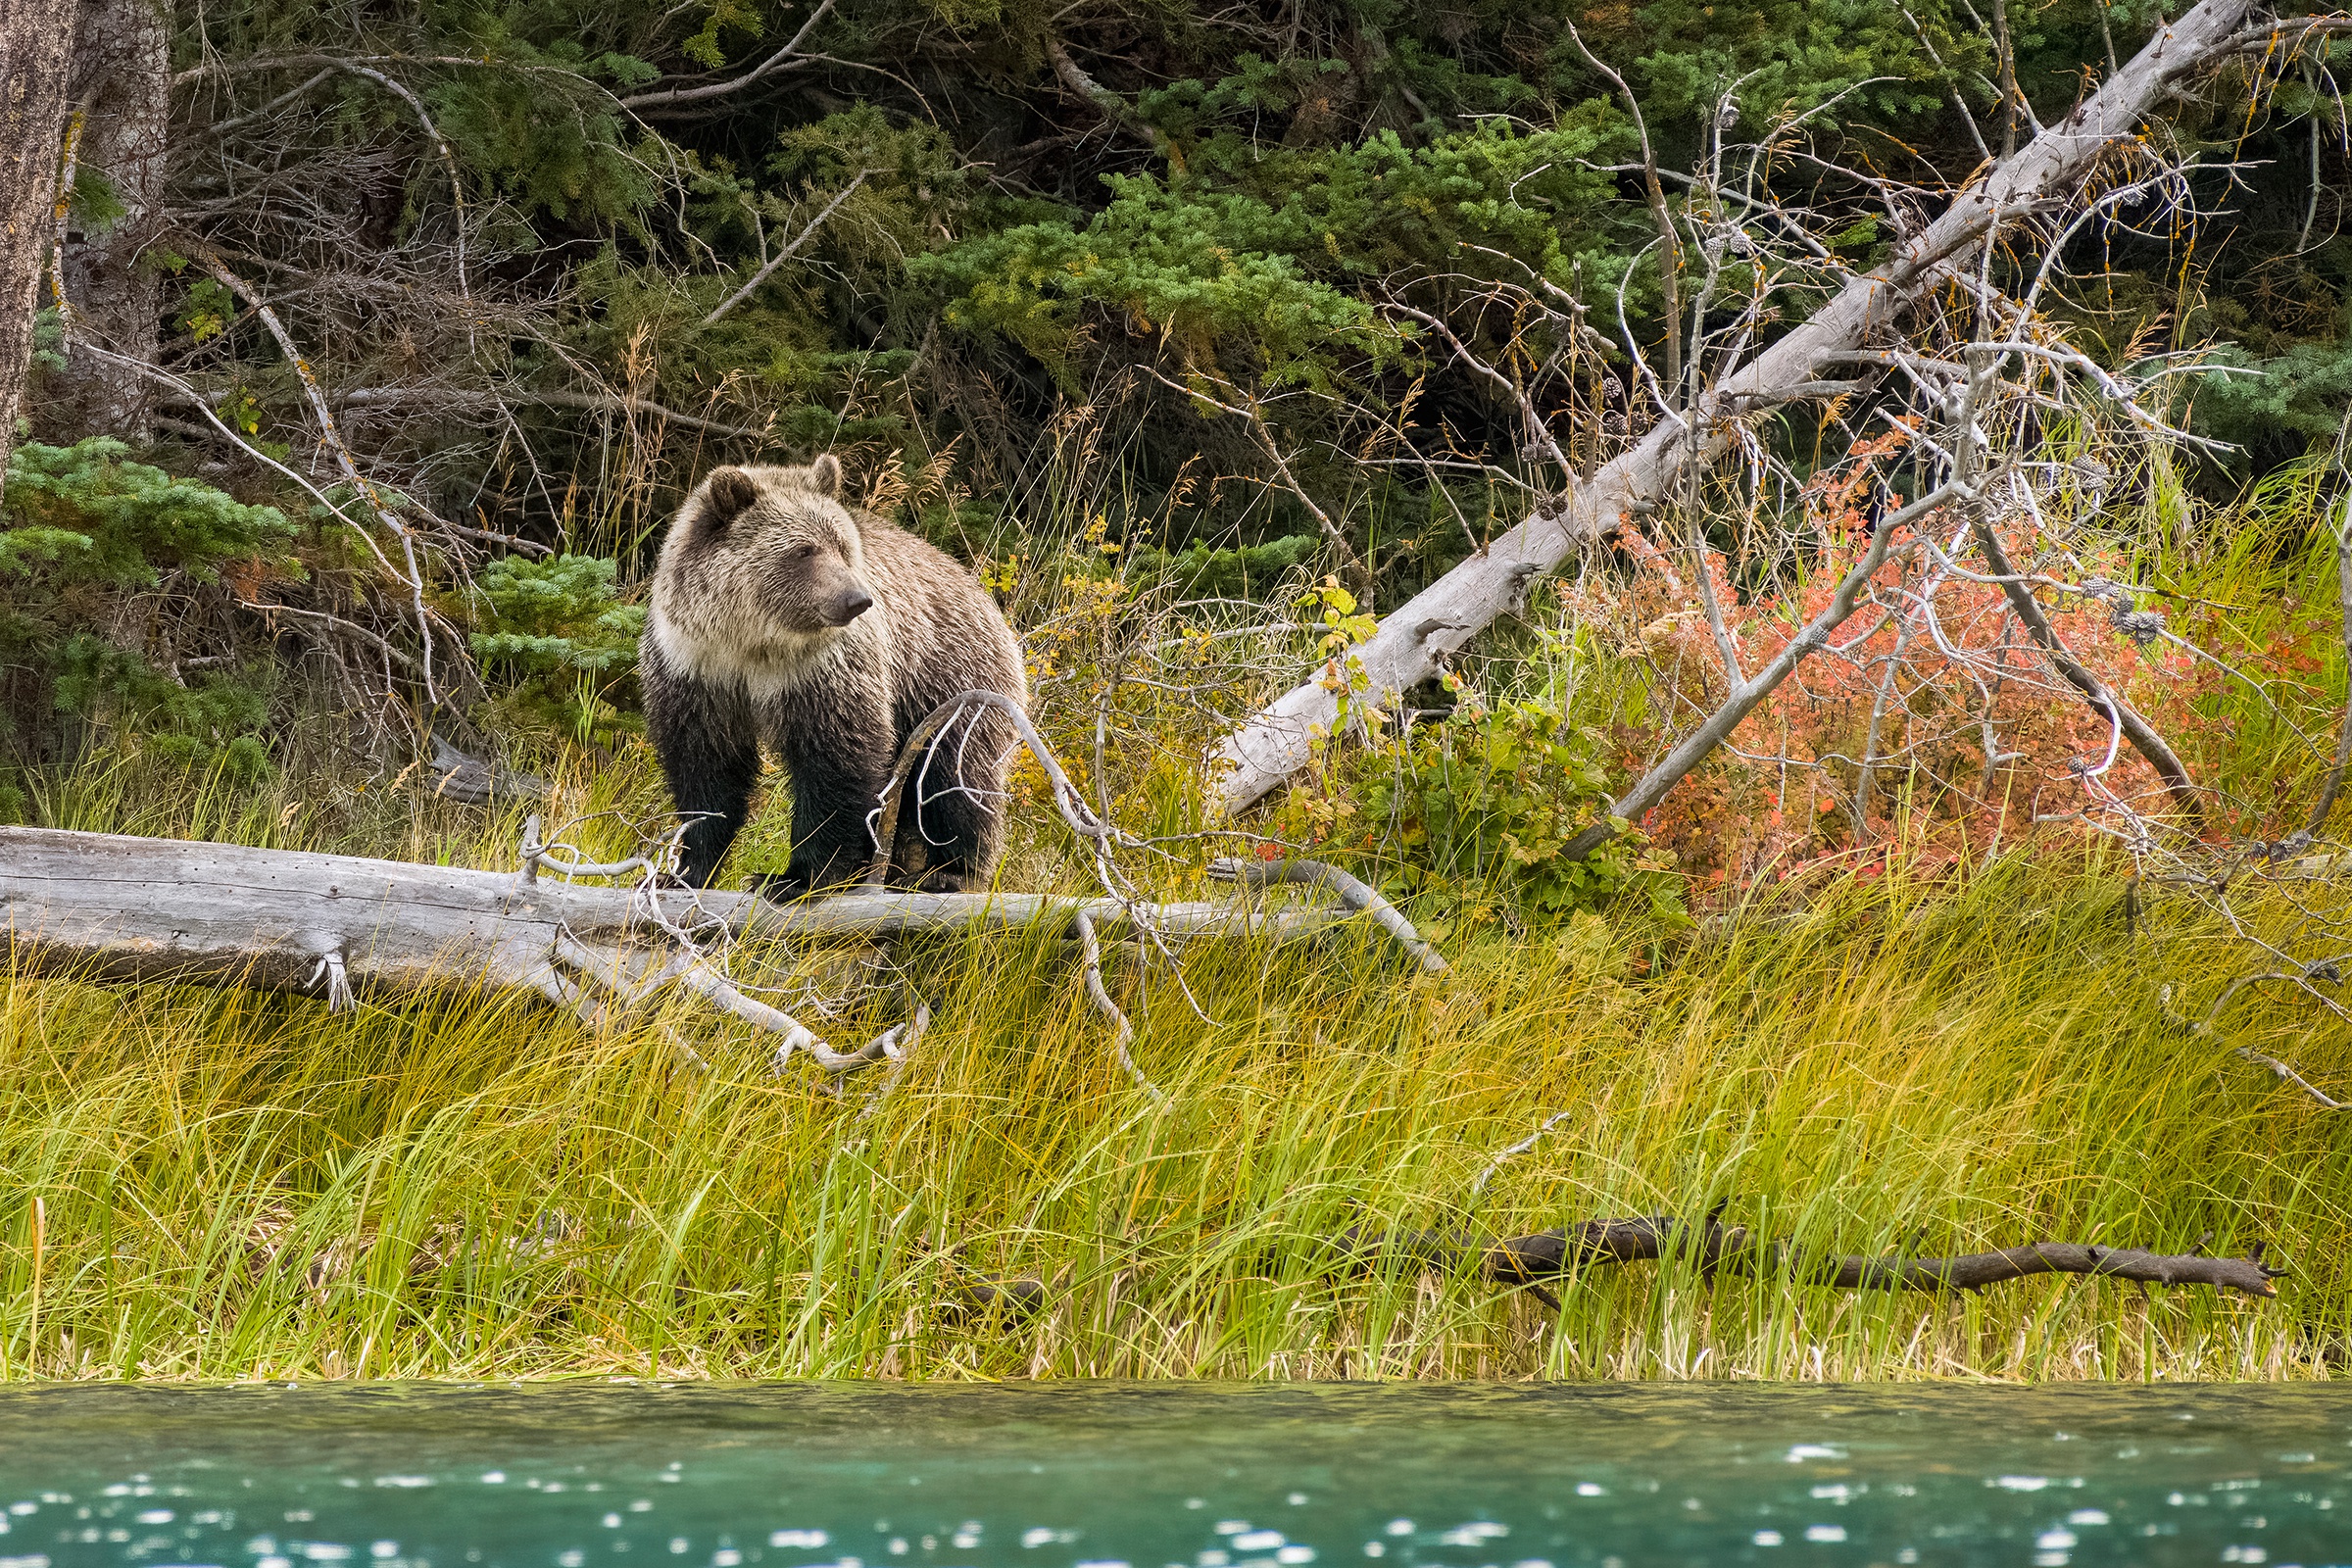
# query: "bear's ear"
{"points": [[727, 494], [825, 476]]}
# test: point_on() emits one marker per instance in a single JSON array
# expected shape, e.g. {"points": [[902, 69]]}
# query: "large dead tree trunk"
{"points": [[36, 42], [119, 908], [1408, 645], [122, 84]]}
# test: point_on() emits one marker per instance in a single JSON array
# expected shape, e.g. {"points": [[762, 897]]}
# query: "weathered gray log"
{"points": [[114, 907], [1411, 642]]}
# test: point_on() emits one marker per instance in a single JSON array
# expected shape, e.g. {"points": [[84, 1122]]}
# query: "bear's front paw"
{"points": [[944, 879]]}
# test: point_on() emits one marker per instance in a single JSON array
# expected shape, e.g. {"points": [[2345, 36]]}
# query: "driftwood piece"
{"points": [[1531, 1262], [1716, 1248]]}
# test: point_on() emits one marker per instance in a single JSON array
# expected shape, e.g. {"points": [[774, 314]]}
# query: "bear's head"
{"points": [[766, 554]]}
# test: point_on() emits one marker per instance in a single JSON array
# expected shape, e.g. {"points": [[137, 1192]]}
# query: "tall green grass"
{"points": [[198, 1184]]}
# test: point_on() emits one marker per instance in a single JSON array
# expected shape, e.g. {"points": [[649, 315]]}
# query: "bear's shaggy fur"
{"points": [[781, 614]]}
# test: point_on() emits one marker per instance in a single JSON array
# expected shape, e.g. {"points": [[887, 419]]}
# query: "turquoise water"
{"points": [[1057, 1477]]}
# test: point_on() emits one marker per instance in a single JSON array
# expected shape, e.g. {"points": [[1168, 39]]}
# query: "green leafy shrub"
{"points": [[558, 631], [84, 530], [1200, 570], [1483, 805]]}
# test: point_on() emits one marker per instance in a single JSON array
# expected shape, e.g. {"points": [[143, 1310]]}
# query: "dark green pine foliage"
{"points": [[1237, 194], [96, 555], [560, 636]]}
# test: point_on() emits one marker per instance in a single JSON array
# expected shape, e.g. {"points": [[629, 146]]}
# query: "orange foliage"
{"points": [[1978, 737]]}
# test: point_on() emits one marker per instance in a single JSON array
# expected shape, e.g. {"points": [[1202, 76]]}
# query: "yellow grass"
{"points": [[219, 1184]]}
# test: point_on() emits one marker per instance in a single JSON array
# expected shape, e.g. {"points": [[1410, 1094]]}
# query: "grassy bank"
{"points": [[233, 1186]]}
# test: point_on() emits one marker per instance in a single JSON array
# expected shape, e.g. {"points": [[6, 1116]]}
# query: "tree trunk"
{"points": [[36, 42], [121, 79]]}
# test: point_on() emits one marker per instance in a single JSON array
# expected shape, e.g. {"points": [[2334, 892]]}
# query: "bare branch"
{"points": [[787, 253], [1359, 575], [2289, 1075], [1113, 107], [332, 439], [1670, 257], [1089, 957], [449, 162], [590, 402], [1351, 892], [2135, 729], [1694, 747], [1715, 1248], [788, 58]]}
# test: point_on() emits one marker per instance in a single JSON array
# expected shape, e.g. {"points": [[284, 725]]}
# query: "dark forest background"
{"points": [[546, 262]]}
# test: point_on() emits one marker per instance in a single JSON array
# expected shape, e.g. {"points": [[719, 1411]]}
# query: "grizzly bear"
{"points": [[781, 614]]}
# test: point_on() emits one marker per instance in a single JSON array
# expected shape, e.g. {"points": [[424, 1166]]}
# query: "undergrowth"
{"points": [[1927, 1022], [216, 1185]]}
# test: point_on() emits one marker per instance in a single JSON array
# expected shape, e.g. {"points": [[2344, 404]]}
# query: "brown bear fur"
{"points": [[780, 614]]}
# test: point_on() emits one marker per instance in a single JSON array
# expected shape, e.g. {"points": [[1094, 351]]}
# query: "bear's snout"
{"points": [[847, 605]]}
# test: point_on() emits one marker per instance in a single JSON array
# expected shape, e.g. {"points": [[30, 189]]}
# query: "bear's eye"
{"points": [[803, 552]]}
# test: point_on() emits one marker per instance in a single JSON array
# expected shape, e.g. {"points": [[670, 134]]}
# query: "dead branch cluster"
{"points": [[1943, 362], [408, 328]]}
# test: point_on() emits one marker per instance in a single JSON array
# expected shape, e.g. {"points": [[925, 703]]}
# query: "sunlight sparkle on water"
{"points": [[788, 1477]]}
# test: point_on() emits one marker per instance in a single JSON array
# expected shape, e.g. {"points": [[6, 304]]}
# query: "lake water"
{"points": [[1056, 1477]]}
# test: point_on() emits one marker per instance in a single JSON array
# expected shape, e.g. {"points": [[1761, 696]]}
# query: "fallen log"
{"points": [[1529, 1261], [338, 927], [1533, 1262], [124, 908], [1412, 642]]}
